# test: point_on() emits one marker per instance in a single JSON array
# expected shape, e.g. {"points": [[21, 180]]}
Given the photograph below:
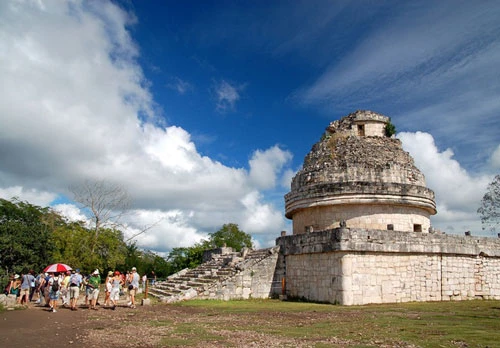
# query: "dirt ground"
{"points": [[38, 327], [145, 326], [155, 326]]}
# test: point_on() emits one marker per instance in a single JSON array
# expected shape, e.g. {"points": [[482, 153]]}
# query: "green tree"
{"points": [[489, 210], [26, 235], [390, 129], [187, 257], [231, 236]]}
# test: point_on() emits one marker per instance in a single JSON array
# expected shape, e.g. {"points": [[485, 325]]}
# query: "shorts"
{"points": [[132, 292], [25, 292], [54, 295], [93, 294], [74, 291]]}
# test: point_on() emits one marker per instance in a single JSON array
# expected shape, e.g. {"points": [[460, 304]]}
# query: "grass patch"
{"points": [[191, 335], [422, 324]]}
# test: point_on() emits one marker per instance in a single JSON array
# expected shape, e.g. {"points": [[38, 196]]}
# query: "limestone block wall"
{"points": [[402, 218], [255, 281], [466, 277], [316, 277], [355, 267], [371, 128]]}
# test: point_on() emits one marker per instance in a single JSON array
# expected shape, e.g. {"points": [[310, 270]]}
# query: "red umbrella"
{"points": [[57, 267]]}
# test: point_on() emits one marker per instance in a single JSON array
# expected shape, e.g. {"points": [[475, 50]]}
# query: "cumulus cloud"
{"points": [[458, 193], [71, 212], [75, 106], [31, 195], [226, 96], [266, 165], [495, 158]]}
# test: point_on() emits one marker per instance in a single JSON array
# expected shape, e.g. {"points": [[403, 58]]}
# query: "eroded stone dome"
{"points": [[357, 174]]}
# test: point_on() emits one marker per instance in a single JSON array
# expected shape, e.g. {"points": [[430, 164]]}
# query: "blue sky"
{"points": [[204, 110]]}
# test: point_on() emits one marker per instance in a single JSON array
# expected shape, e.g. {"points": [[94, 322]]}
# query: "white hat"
{"points": [[96, 271], [16, 276], [134, 269]]}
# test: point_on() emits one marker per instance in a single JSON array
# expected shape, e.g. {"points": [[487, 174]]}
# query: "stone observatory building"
{"points": [[361, 227], [361, 234], [358, 174]]}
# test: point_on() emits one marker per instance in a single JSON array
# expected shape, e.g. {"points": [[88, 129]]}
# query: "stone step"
{"points": [[196, 284]]}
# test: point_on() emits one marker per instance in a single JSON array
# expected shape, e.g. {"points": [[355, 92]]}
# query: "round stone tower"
{"points": [[358, 175]]}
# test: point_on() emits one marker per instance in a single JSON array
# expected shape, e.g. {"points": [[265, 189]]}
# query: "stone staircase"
{"points": [[198, 282]]}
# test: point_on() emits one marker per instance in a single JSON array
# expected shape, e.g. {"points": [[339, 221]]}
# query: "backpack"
{"points": [[55, 285]]}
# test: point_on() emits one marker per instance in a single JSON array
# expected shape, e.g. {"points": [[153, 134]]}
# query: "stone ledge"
{"points": [[362, 240]]}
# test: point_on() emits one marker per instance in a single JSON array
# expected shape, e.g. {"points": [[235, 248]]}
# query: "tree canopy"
{"points": [[33, 237], [231, 236]]}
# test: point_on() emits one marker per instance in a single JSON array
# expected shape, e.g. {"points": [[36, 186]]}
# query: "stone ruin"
{"points": [[357, 175], [361, 234], [361, 227]]}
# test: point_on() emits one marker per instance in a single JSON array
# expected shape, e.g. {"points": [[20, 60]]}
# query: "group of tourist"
{"points": [[47, 289]]}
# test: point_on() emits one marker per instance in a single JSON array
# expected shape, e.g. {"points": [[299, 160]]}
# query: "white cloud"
{"points": [[75, 106], [226, 96], [286, 179], [33, 196], [160, 230], [458, 193], [495, 158], [266, 165], [70, 211], [260, 217]]}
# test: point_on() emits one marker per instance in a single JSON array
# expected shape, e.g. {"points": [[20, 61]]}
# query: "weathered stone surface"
{"points": [[357, 266], [349, 170], [385, 249]]}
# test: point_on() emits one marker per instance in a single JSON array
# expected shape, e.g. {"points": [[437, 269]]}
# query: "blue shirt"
{"points": [[27, 279], [75, 279]]}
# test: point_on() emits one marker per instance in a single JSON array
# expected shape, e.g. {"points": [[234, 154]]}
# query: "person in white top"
{"points": [[134, 285], [54, 285]]}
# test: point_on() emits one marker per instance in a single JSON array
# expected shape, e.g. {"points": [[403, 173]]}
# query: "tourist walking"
{"points": [[40, 286], [134, 285], [15, 286], [24, 295], [93, 285], [74, 289], [65, 289], [116, 284], [54, 285], [107, 289]]}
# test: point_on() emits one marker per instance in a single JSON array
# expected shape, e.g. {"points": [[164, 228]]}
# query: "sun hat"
{"points": [[134, 269], [110, 273], [16, 276], [96, 271]]}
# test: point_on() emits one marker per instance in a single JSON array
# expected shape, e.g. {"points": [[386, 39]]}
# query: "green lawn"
{"points": [[429, 324]]}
